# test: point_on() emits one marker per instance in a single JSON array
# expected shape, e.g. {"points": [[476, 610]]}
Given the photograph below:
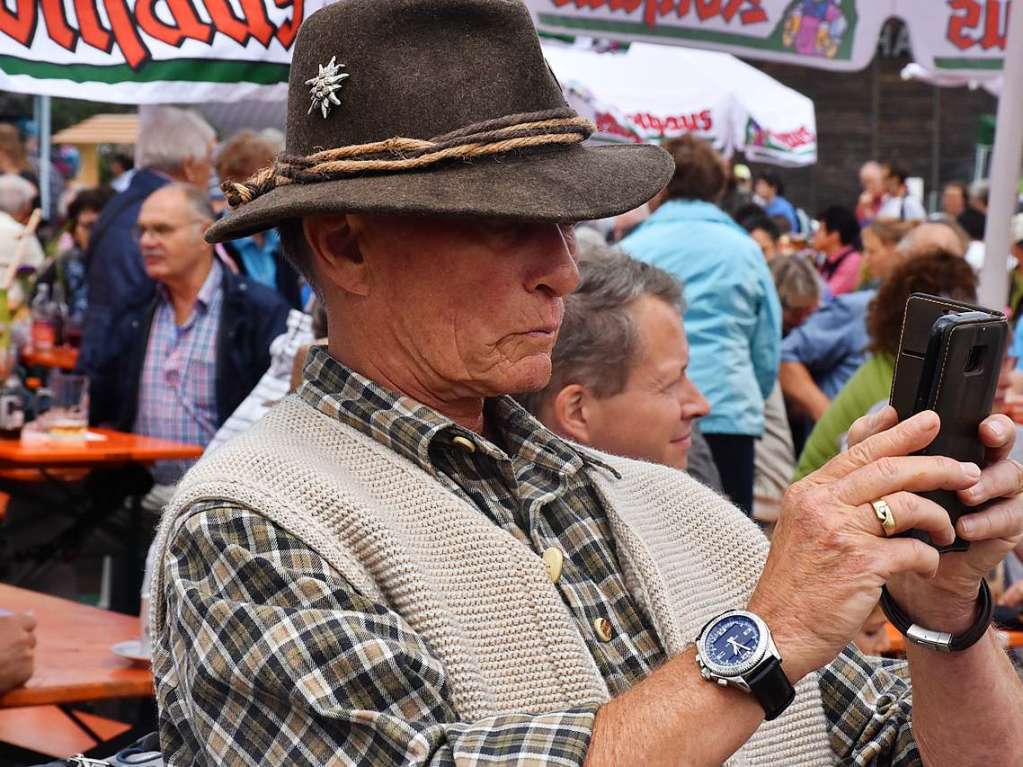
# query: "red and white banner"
{"points": [[951, 36], [150, 51]]}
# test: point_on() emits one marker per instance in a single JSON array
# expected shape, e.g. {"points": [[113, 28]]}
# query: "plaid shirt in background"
{"points": [[271, 657], [178, 391]]}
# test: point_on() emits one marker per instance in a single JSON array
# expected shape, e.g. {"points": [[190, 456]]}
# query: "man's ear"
{"points": [[336, 253], [568, 413]]}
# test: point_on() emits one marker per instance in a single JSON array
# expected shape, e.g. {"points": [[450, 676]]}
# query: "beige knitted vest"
{"points": [[479, 598]]}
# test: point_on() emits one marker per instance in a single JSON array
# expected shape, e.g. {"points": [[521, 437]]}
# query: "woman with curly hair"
{"points": [[938, 272]]}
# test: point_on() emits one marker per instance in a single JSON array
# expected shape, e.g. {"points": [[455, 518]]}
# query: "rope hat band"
{"points": [[491, 137]]}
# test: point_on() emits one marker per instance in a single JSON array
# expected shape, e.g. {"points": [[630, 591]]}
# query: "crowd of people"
{"points": [[355, 571]]}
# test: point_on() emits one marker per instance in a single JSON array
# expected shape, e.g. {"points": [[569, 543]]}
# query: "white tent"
{"points": [[653, 92]]}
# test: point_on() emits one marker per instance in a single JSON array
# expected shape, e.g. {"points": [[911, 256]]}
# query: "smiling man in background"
{"points": [[618, 380]]}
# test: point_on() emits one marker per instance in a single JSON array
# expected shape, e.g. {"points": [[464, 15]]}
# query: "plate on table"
{"points": [[132, 650]]}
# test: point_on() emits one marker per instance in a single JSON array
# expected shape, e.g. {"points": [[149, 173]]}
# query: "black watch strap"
{"points": [[940, 640], [771, 688]]}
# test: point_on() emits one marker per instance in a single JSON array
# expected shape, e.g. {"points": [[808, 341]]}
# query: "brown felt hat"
{"points": [[477, 124]]}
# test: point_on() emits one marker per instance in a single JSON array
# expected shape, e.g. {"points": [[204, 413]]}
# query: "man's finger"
{"points": [[908, 555], [915, 473], [911, 512], [872, 424], [905, 438], [1001, 520], [28, 622], [999, 480], [998, 434]]}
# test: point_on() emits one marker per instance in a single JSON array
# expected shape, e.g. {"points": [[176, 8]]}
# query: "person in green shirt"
{"points": [[934, 271]]}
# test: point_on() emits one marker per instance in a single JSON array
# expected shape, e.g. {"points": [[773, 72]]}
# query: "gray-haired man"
{"points": [[174, 145], [15, 207], [618, 380]]}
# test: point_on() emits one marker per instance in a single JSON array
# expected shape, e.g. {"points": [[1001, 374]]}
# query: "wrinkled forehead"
{"points": [[165, 205]]}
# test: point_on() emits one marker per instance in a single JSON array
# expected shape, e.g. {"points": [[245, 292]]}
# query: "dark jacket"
{"points": [[251, 317], [115, 275]]}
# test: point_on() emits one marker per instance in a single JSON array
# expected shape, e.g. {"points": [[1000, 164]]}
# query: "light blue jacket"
{"points": [[733, 318]]}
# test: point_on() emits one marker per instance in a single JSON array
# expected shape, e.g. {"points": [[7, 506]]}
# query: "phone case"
{"points": [[956, 376], [922, 311]]}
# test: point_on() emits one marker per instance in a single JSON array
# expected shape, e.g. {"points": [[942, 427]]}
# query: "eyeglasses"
{"points": [[159, 231]]}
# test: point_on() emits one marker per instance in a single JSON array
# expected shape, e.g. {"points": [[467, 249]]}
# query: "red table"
{"points": [[116, 448], [74, 662], [61, 357], [24, 465]]}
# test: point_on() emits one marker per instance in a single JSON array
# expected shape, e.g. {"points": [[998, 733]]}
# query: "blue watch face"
{"points": [[732, 641]]}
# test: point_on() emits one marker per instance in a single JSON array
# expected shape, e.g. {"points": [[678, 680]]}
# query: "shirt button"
{"points": [[465, 443], [602, 628], [553, 560]]}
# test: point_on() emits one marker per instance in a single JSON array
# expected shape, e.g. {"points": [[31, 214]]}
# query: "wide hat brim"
{"points": [[562, 185]]}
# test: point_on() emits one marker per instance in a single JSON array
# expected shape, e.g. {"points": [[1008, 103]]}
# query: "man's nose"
{"points": [[694, 404], [555, 270]]}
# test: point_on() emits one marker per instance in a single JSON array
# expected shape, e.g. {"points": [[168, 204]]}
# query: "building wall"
{"points": [[874, 114]]}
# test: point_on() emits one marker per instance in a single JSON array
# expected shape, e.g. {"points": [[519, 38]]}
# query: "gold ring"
{"points": [[884, 515]]}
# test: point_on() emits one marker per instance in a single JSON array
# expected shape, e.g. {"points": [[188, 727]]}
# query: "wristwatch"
{"points": [[735, 649]]}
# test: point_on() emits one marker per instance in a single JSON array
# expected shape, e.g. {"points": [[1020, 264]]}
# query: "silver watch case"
{"points": [[735, 676]]}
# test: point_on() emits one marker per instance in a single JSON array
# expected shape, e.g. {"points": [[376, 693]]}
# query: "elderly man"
{"points": [[173, 145], [16, 195], [399, 566], [180, 364], [618, 380]]}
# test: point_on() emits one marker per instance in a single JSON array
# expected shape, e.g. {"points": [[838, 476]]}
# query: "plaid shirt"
{"points": [[271, 657], [178, 394]]}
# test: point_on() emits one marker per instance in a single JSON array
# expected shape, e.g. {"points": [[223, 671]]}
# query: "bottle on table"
{"points": [[13, 400], [60, 313], [44, 320]]}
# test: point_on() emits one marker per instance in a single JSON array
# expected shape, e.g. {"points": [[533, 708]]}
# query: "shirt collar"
{"points": [[207, 292], [410, 428]]}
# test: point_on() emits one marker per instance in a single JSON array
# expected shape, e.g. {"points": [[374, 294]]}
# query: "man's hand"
{"points": [[829, 556], [17, 650], [948, 601]]}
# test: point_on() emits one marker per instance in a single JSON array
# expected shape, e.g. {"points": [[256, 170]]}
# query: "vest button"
{"points": [[465, 443], [603, 629], [553, 560]]}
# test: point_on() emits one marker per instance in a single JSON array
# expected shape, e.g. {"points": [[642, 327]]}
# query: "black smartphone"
{"points": [[950, 357]]}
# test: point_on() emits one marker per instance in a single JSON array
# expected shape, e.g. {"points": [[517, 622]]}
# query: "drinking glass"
{"points": [[68, 417]]}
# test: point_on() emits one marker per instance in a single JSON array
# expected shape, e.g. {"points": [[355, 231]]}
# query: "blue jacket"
{"points": [[733, 318], [252, 316], [114, 273], [832, 342], [779, 206]]}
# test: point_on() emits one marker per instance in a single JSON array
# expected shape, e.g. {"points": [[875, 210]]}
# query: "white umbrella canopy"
{"points": [[652, 92]]}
